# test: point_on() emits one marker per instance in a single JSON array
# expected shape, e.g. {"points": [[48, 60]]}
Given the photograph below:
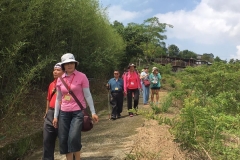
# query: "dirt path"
{"points": [[127, 136]]}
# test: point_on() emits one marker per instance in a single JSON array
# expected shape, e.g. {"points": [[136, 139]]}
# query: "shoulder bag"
{"points": [[87, 120], [146, 82]]}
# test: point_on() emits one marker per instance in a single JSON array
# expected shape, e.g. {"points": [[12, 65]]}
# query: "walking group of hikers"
{"points": [[64, 117], [130, 85]]}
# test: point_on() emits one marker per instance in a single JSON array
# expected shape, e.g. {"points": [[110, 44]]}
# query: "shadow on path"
{"points": [[108, 140], [97, 158]]}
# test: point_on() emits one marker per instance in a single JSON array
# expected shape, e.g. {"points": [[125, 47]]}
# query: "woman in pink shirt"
{"points": [[68, 115], [132, 86]]}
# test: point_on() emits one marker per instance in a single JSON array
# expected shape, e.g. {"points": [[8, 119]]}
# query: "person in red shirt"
{"points": [[132, 86], [49, 131]]}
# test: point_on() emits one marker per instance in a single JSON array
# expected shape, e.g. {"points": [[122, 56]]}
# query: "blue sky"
{"points": [[202, 26]]}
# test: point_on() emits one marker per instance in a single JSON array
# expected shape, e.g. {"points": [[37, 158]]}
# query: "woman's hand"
{"points": [[55, 123], [95, 117]]}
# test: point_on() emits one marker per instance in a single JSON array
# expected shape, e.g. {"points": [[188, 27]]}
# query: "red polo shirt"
{"points": [[51, 89]]}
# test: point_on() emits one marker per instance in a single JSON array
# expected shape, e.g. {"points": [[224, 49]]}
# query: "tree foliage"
{"points": [[153, 31], [173, 50], [217, 59], [208, 57], [35, 33], [187, 54], [143, 40]]}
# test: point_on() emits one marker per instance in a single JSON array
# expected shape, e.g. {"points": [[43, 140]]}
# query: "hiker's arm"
{"points": [[125, 83], [57, 108], [139, 83], [143, 75], [151, 78], [88, 97], [57, 103], [47, 105], [108, 85], [48, 100], [160, 77]]}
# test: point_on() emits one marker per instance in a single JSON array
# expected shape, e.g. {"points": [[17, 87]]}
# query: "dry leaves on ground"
{"points": [[155, 142]]}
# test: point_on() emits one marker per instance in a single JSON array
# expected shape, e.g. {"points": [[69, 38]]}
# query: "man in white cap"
{"points": [[49, 131]]}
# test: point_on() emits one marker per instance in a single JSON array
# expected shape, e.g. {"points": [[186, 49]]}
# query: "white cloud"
{"points": [[116, 12], [237, 55], [222, 5], [211, 22], [146, 11], [143, 3]]}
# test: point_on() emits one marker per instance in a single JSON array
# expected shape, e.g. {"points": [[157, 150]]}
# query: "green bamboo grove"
{"points": [[35, 33]]}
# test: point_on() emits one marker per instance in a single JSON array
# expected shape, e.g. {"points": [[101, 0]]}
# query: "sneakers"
{"points": [[119, 115], [130, 114], [113, 117]]}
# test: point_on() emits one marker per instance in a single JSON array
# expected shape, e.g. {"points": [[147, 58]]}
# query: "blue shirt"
{"points": [[116, 86]]}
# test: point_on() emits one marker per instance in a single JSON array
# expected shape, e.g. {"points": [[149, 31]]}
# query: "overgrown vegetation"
{"points": [[209, 120], [209, 102], [34, 34]]}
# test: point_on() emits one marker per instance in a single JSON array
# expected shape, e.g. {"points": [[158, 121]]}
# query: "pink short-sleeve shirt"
{"points": [[77, 81]]}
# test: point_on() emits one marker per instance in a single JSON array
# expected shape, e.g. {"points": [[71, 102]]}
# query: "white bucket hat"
{"points": [[68, 58]]}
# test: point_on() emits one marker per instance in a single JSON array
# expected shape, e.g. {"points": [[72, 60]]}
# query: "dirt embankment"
{"points": [[132, 137]]}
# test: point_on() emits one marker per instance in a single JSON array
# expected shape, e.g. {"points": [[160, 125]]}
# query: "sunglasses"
{"points": [[116, 73]]}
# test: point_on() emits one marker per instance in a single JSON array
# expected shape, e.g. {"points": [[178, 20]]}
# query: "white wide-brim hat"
{"points": [[68, 58], [154, 68]]}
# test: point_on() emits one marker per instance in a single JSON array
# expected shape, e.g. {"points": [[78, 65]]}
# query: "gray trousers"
{"points": [[49, 136]]}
